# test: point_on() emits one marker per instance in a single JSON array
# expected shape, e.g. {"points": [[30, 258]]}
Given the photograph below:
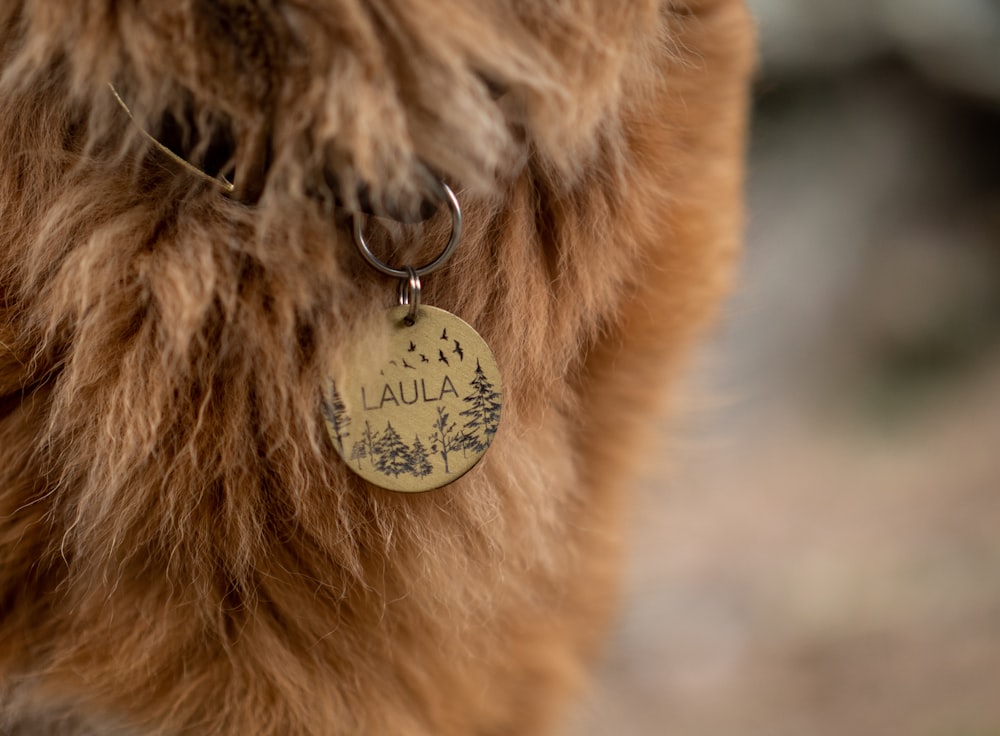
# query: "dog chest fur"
{"points": [[181, 550]]}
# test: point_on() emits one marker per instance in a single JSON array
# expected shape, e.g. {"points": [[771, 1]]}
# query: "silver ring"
{"points": [[409, 294], [400, 273]]}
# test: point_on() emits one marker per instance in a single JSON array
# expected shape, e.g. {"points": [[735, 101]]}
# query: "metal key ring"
{"points": [[400, 273]]}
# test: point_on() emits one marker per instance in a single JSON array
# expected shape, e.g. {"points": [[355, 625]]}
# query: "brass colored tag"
{"points": [[427, 415]]}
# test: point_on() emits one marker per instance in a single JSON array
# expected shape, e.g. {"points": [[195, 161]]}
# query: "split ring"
{"points": [[409, 294], [403, 273]]}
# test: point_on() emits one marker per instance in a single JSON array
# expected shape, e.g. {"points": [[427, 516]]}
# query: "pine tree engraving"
{"points": [[420, 466], [465, 442], [359, 452], [483, 412], [444, 440], [393, 454], [367, 446], [336, 413]]}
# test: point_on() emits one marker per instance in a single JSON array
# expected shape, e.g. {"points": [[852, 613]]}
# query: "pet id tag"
{"points": [[419, 410]]}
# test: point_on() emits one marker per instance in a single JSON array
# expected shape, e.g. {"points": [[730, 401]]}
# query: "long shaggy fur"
{"points": [[181, 551]]}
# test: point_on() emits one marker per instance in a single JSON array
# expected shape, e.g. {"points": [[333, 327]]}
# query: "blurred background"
{"points": [[825, 557]]}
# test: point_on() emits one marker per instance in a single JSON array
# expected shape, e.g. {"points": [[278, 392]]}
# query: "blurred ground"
{"points": [[825, 557]]}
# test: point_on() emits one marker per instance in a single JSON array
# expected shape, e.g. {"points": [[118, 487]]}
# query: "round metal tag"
{"points": [[422, 415]]}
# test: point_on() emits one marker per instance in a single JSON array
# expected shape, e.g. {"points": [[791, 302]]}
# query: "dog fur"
{"points": [[181, 550]]}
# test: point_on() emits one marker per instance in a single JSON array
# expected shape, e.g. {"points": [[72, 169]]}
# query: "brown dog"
{"points": [[181, 549]]}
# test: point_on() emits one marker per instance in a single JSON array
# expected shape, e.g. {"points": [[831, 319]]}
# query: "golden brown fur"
{"points": [[181, 551]]}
